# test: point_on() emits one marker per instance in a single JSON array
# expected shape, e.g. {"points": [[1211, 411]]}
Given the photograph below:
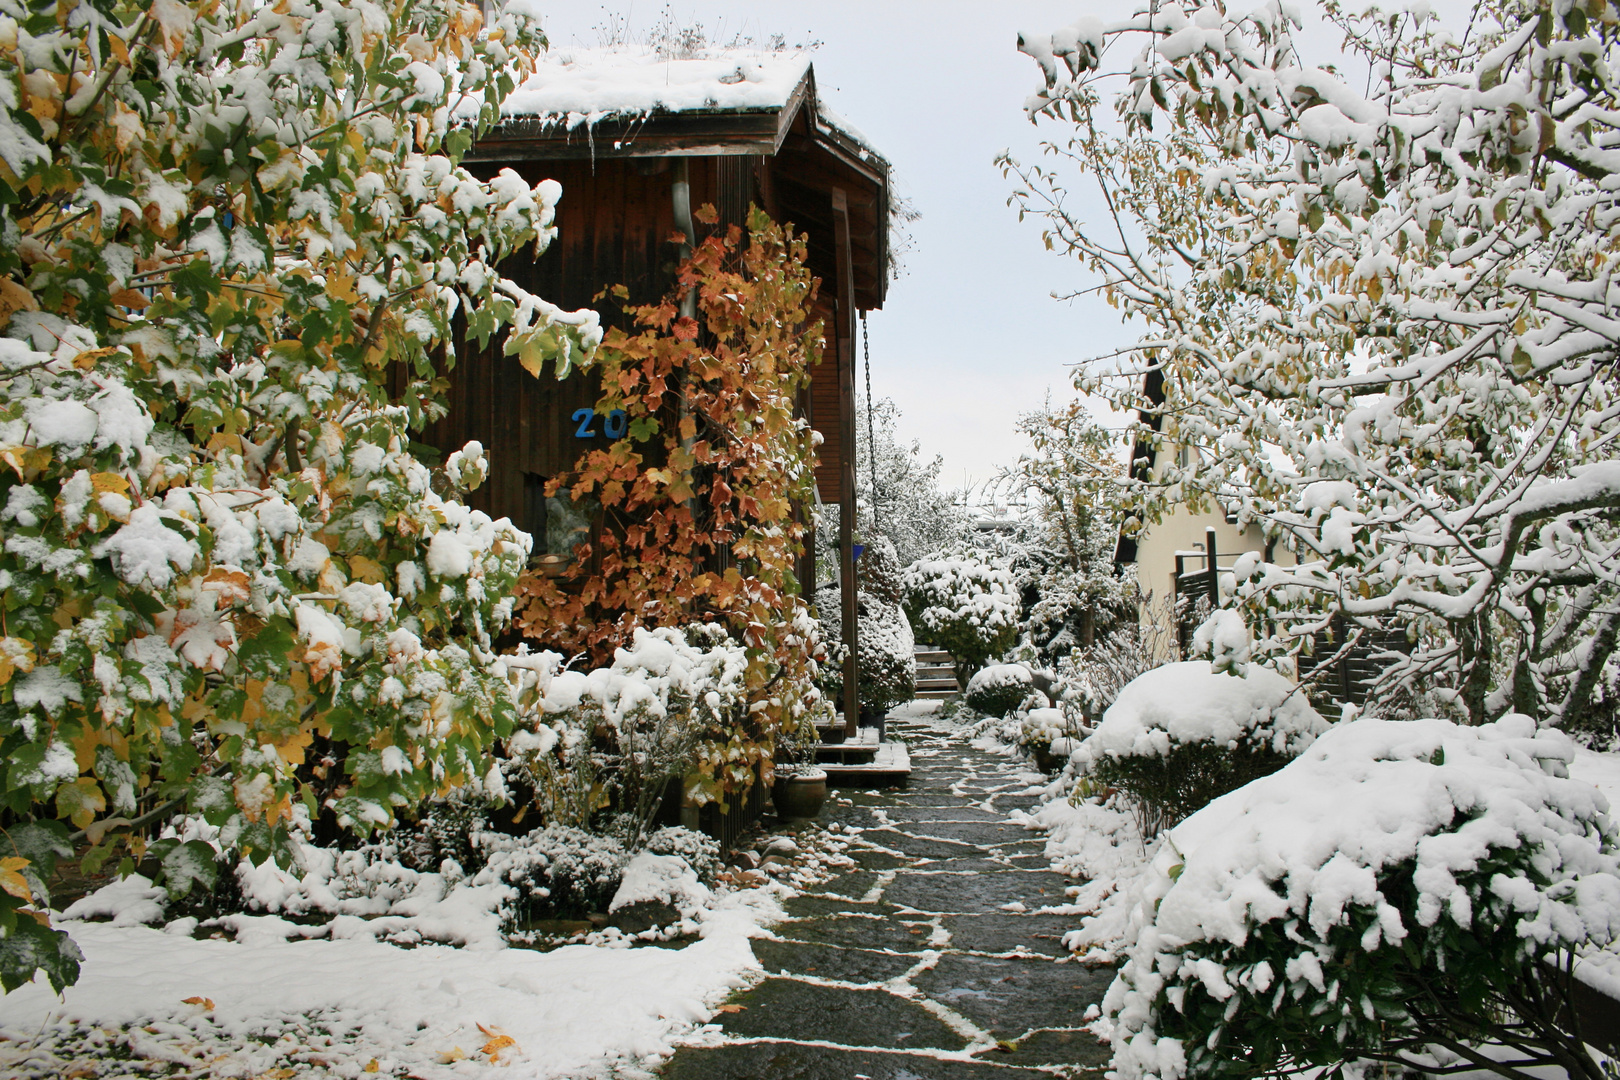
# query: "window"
{"points": [[557, 523]]}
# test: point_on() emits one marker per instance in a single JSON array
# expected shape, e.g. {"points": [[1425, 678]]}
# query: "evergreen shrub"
{"points": [[1182, 735], [999, 689], [1413, 893]]}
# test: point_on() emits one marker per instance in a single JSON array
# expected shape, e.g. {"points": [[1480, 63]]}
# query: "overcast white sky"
{"points": [[970, 336]]}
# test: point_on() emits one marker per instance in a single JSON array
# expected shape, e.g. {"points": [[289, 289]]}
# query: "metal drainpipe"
{"points": [[681, 195], [681, 200]]}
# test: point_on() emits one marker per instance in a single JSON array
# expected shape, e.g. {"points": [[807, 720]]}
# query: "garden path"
{"points": [[928, 960]]}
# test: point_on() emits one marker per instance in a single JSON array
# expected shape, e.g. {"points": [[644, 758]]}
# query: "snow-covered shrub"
{"points": [[1048, 735], [229, 579], [1403, 889], [1181, 735], [999, 689], [701, 853], [964, 605], [558, 870], [609, 740], [886, 647]]}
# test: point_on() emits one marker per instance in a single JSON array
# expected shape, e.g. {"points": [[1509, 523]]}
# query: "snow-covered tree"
{"points": [[1378, 316], [229, 586], [1072, 477], [898, 493]]}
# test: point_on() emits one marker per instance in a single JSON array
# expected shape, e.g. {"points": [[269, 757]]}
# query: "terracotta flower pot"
{"points": [[799, 794]]}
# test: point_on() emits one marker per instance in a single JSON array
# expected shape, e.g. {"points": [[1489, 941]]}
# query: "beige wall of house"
{"points": [[1185, 531]]}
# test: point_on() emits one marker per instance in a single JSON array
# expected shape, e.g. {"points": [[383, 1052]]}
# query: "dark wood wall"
{"points": [[614, 222]]}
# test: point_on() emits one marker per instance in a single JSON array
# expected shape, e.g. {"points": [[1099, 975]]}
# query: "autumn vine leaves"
{"points": [[698, 503]]}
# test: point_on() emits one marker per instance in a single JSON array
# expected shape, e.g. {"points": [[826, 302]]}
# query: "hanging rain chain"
{"points": [[871, 418]]}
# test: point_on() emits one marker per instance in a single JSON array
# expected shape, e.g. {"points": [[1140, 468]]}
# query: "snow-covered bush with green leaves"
{"points": [[1182, 734], [999, 689], [963, 604], [1415, 893], [611, 739], [238, 250]]}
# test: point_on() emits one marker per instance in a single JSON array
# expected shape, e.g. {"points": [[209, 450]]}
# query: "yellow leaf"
{"points": [[13, 882], [14, 298], [292, 750], [27, 461], [107, 481], [494, 1047], [119, 50], [367, 570], [447, 1057], [373, 1066], [133, 299], [206, 1003], [87, 359]]}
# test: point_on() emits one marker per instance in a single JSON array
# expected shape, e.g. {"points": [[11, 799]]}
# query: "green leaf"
{"points": [[42, 843], [188, 865], [32, 947]]}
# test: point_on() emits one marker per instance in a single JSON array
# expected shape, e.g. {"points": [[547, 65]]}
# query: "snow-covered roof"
{"points": [[575, 86]]}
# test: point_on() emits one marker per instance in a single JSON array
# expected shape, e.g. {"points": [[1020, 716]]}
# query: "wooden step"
{"points": [[936, 695], [890, 767], [849, 753]]}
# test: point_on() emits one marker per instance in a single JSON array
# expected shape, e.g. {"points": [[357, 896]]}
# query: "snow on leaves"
{"points": [[1307, 916], [1402, 290], [698, 501], [233, 239]]}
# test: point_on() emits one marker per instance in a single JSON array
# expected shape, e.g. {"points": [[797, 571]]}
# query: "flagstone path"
{"points": [[928, 960]]}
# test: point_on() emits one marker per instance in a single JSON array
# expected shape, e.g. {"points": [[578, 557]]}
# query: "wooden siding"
{"points": [[613, 227]]}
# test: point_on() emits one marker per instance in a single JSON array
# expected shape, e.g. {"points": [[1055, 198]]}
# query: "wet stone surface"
{"points": [[910, 965]]}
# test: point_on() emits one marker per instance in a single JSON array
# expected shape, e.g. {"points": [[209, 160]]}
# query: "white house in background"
{"points": [[1172, 558]]}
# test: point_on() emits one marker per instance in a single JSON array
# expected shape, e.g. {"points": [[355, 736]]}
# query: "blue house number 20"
{"points": [[614, 424]]}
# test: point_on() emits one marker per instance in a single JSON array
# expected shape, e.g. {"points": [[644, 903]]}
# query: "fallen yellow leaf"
{"points": [[494, 1047], [206, 1003]]}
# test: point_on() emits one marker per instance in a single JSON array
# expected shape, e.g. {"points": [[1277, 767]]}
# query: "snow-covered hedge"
{"points": [[999, 689], [964, 605], [1180, 735], [1401, 889], [888, 661]]}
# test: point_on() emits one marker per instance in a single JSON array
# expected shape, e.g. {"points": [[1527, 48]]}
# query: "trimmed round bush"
{"points": [[965, 606], [1182, 735], [1404, 892], [999, 689]]}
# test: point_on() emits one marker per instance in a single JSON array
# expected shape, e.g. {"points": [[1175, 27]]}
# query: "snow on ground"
{"points": [[1602, 771], [332, 1008]]}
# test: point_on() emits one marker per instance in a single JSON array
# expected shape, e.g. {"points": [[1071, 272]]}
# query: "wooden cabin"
{"points": [[623, 131]]}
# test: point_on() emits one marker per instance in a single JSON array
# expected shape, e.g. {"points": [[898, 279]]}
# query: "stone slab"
{"points": [[831, 962], [790, 1009], [1010, 997]]}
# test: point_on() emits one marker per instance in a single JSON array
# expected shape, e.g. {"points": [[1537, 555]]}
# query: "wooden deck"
{"points": [[887, 764]]}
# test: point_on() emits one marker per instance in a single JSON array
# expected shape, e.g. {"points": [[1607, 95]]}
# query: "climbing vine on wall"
{"points": [[698, 503]]}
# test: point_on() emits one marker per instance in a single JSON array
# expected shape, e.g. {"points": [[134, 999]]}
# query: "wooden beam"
{"points": [[845, 323]]}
